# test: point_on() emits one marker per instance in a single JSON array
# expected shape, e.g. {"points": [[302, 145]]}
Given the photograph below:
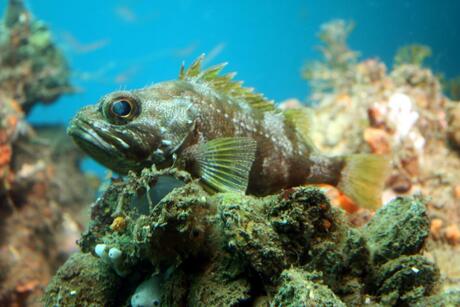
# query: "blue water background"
{"points": [[129, 44]]}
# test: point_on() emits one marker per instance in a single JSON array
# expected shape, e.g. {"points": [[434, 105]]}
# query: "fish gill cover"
{"points": [[157, 238]]}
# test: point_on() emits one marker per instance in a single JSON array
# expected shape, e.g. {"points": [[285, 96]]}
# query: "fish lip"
{"points": [[93, 142], [85, 134]]}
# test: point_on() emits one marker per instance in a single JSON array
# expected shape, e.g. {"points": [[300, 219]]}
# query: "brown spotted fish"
{"points": [[226, 135]]}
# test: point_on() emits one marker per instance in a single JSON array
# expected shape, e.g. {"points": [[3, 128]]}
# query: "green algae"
{"points": [[391, 234], [413, 54], [407, 279], [299, 288]]}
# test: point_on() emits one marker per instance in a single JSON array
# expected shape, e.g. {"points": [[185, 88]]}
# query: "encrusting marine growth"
{"points": [[228, 249]]}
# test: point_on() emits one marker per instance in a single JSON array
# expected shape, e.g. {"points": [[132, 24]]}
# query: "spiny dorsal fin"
{"points": [[224, 84]]}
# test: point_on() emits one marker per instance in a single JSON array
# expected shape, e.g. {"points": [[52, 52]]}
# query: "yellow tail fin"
{"points": [[363, 178]]}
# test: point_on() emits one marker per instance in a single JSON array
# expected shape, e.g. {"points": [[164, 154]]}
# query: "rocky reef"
{"points": [[196, 249], [401, 112], [43, 193], [158, 239]]}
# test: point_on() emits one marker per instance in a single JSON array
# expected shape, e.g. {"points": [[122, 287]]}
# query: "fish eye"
{"points": [[123, 108]]}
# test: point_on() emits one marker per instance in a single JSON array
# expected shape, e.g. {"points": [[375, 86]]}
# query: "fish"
{"points": [[227, 136]]}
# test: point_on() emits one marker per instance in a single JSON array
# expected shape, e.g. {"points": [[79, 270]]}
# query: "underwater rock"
{"points": [[42, 212], [298, 288], [289, 249], [43, 192], [414, 76], [83, 281], [452, 87], [405, 280], [447, 298], [33, 69], [221, 280], [391, 234], [454, 125]]}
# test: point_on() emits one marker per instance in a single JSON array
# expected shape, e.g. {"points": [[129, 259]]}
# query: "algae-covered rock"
{"points": [[218, 283], [227, 249], [83, 280], [449, 298], [249, 235], [399, 228], [406, 279], [299, 288]]}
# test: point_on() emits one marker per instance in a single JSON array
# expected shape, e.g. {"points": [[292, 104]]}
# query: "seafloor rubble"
{"points": [[189, 248], [42, 190]]}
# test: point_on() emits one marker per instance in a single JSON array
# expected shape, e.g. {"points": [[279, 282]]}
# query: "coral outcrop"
{"points": [[42, 190], [290, 249], [400, 112], [33, 69]]}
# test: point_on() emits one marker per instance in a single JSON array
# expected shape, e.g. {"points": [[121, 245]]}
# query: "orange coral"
{"points": [[345, 99], [5, 155], [16, 106], [376, 118], [118, 224], [435, 228], [27, 286], [457, 192], [12, 121], [452, 234], [378, 140], [3, 137]]}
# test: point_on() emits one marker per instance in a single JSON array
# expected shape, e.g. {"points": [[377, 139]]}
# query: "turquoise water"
{"points": [[129, 44]]}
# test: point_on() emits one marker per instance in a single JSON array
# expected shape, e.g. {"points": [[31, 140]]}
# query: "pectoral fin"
{"points": [[224, 163]]}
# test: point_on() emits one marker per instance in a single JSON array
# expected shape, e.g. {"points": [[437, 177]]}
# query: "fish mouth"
{"points": [[87, 137], [97, 145]]}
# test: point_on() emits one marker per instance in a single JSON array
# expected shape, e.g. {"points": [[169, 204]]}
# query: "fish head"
{"points": [[131, 130]]}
